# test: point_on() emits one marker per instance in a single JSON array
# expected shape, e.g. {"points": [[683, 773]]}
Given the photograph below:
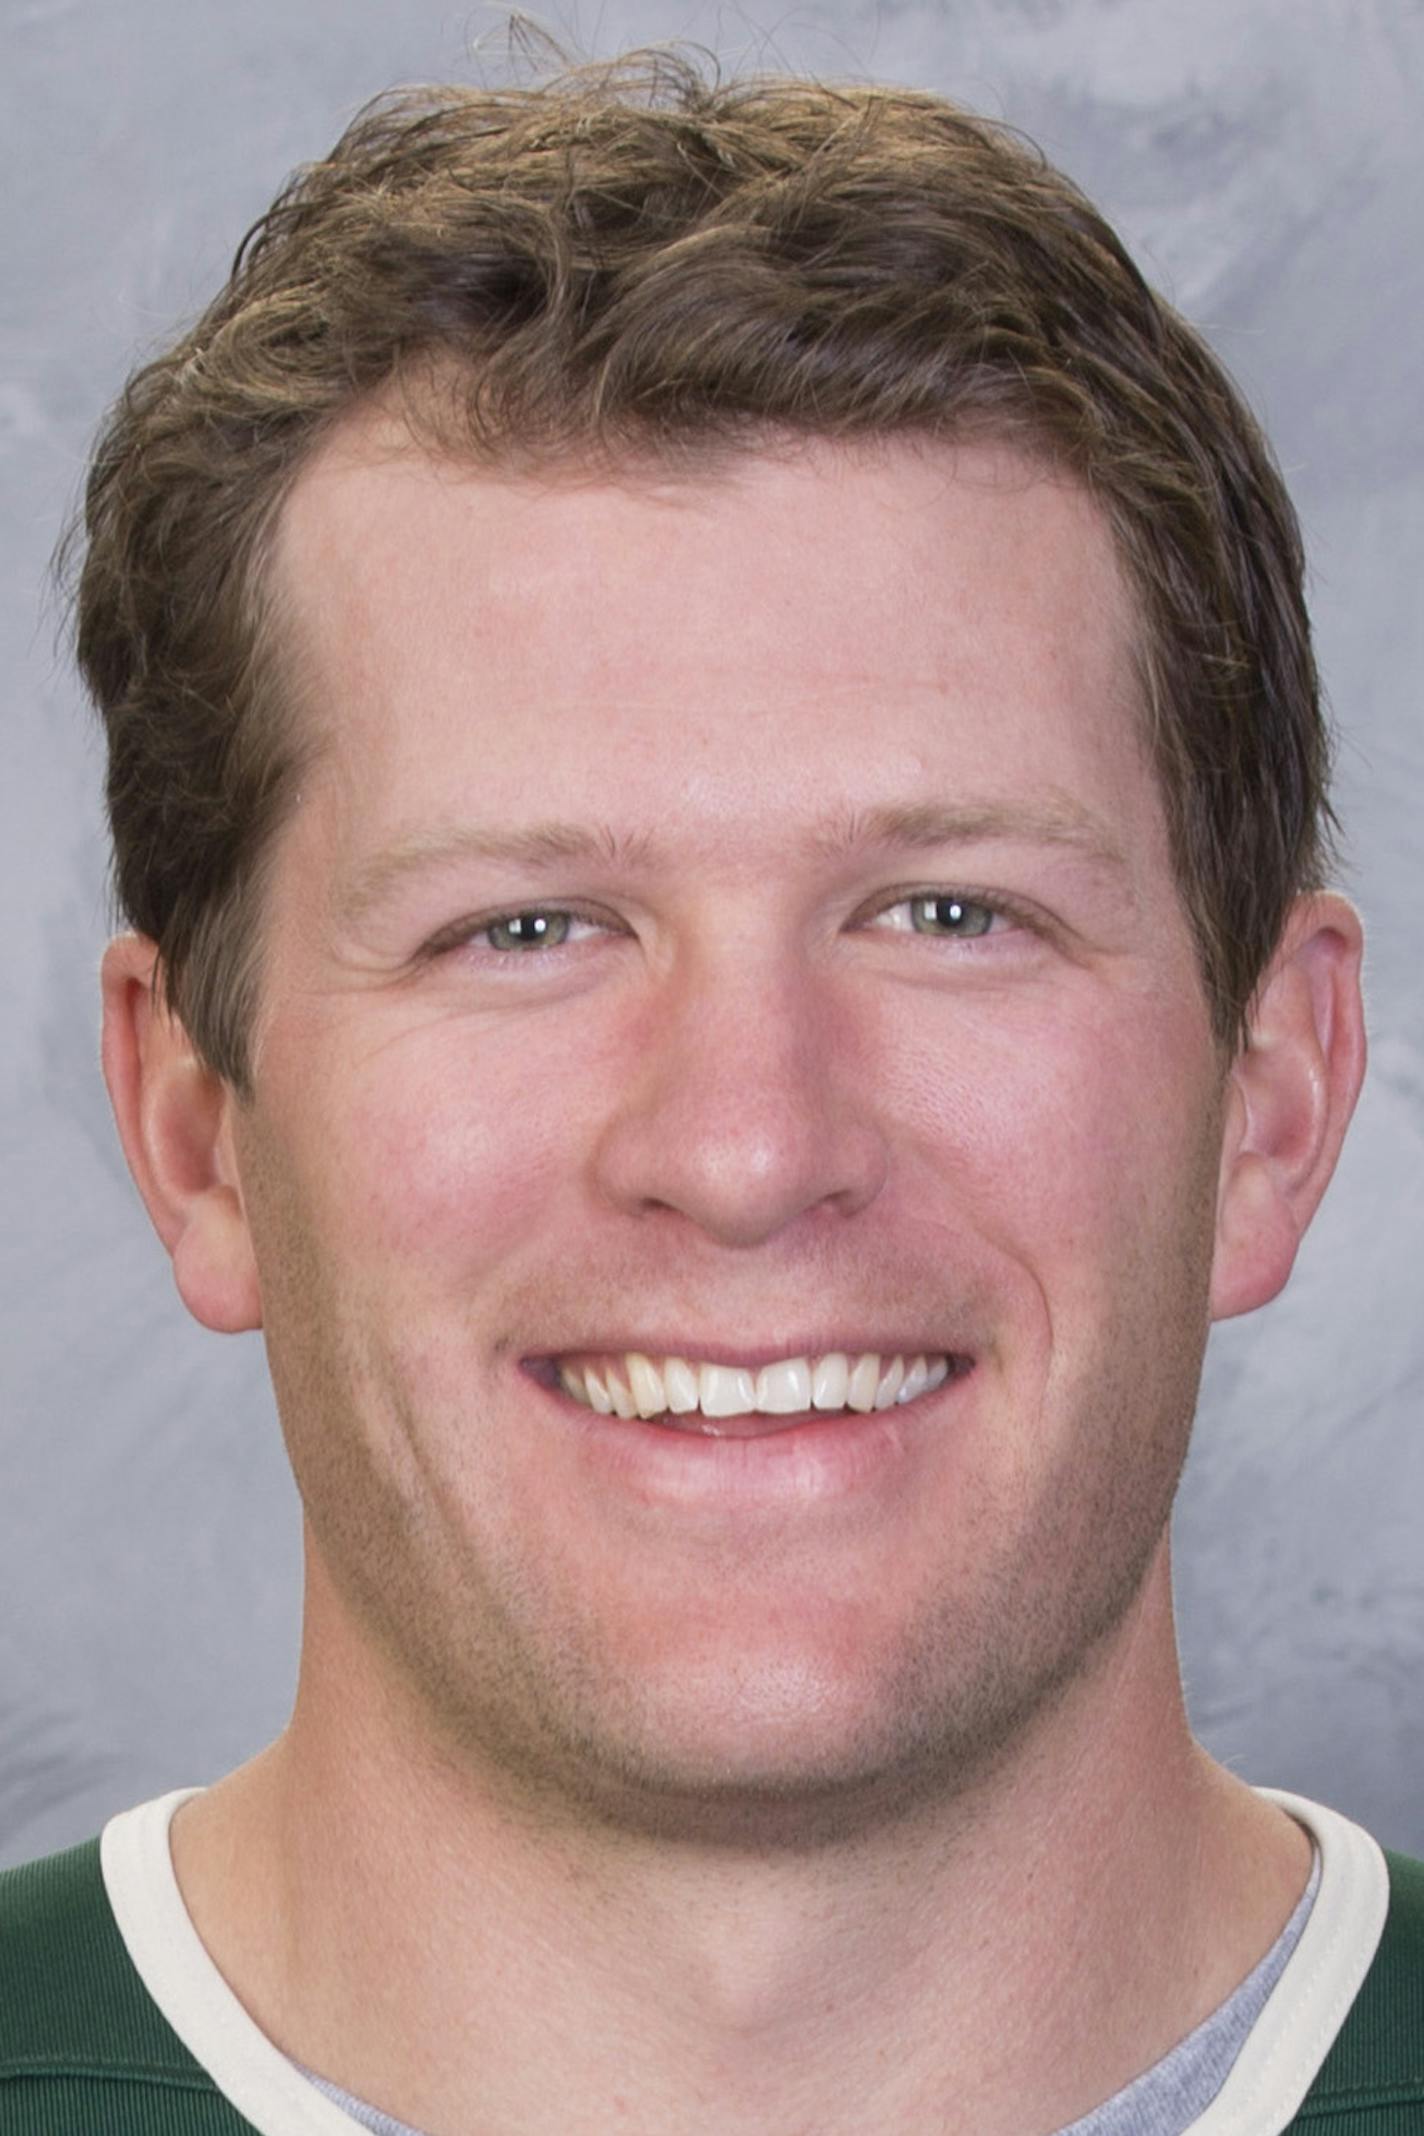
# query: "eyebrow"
{"points": [[536, 845], [906, 826], [1054, 821]]}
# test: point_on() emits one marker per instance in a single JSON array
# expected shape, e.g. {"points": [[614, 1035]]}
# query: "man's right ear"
{"points": [[175, 1122]]}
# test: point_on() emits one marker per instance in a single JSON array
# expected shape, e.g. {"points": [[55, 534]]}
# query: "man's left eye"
{"points": [[944, 914]]}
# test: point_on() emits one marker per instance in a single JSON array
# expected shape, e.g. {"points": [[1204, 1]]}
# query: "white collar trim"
{"points": [[1268, 2081], [172, 1961], [1324, 1973]]}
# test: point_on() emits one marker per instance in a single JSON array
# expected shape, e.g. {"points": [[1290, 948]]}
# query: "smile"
{"points": [[705, 1397]]}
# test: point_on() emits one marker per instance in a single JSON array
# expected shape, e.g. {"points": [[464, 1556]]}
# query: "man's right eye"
{"points": [[536, 929], [505, 935]]}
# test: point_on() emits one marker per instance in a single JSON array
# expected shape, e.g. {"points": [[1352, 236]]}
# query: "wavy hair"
{"points": [[634, 259]]}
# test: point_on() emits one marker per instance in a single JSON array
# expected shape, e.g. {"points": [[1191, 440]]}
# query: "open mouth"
{"points": [[733, 1401]]}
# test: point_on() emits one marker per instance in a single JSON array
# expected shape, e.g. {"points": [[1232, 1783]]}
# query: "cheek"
{"points": [[1062, 1137], [449, 1144]]}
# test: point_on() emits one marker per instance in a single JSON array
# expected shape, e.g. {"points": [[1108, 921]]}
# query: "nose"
{"points": [[743, 1110]]}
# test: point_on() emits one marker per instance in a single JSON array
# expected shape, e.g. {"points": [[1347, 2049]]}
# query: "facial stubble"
{"points": [[512, 1679]]}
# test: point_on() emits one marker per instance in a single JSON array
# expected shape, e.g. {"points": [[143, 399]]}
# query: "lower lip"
{"points": [[788, 1461]]}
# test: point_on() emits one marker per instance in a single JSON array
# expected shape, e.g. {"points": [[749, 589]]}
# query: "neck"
{"points": [[998, 1960]]}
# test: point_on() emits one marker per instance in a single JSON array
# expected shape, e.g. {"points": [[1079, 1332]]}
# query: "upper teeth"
{"points": [[637, 1386]]}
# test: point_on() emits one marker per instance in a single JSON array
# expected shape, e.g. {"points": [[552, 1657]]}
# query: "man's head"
{"points": [[735, 796], [631, 266]]}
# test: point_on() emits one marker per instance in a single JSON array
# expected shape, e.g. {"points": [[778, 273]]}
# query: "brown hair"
{"points": [[634, 259]]}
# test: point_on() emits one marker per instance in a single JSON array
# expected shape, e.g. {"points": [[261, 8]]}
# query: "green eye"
{"points": [[957, 917], [529, 930]]}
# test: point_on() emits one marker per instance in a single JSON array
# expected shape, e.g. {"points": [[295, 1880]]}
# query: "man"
{"points": [[716, 773]]}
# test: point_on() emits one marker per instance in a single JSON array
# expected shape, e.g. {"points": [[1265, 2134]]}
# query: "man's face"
{"points": [[840, 1001]]}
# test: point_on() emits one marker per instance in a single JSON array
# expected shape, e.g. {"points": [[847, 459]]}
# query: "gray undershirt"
{"points": [[1164, 2101]]}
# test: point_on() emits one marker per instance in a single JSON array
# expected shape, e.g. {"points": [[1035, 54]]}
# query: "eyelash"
{"points": [[468, 933]]}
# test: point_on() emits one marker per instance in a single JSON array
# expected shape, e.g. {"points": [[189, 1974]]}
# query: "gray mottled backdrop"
{"points": [[1264, 158]]}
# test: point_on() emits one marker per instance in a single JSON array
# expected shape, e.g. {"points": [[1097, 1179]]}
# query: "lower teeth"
{"points": [[741, 1427]]}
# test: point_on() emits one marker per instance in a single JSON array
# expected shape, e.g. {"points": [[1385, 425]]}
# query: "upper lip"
{"points": [[749, 1357]]}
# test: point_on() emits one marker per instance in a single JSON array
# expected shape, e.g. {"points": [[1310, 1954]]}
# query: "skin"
{"points": [[684, 1779]]}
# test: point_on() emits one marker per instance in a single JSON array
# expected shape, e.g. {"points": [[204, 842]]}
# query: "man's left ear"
{"points": [[1290, 1094]]}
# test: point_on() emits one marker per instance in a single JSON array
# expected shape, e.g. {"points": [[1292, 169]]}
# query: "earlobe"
{"points": [[174, 1120], [1291, 1092]]}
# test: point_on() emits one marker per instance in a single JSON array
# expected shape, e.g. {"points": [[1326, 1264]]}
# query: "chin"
{"points": [[769, 1751]]}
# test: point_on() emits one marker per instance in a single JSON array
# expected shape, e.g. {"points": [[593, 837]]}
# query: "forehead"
{"points": [[850, 622]]}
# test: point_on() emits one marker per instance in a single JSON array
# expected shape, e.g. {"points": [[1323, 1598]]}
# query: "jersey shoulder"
{"points": [[1372, 2081], [83, 2046]]}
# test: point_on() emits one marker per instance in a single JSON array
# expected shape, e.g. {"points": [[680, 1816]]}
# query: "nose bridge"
{"points": [[740, 1111]]}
